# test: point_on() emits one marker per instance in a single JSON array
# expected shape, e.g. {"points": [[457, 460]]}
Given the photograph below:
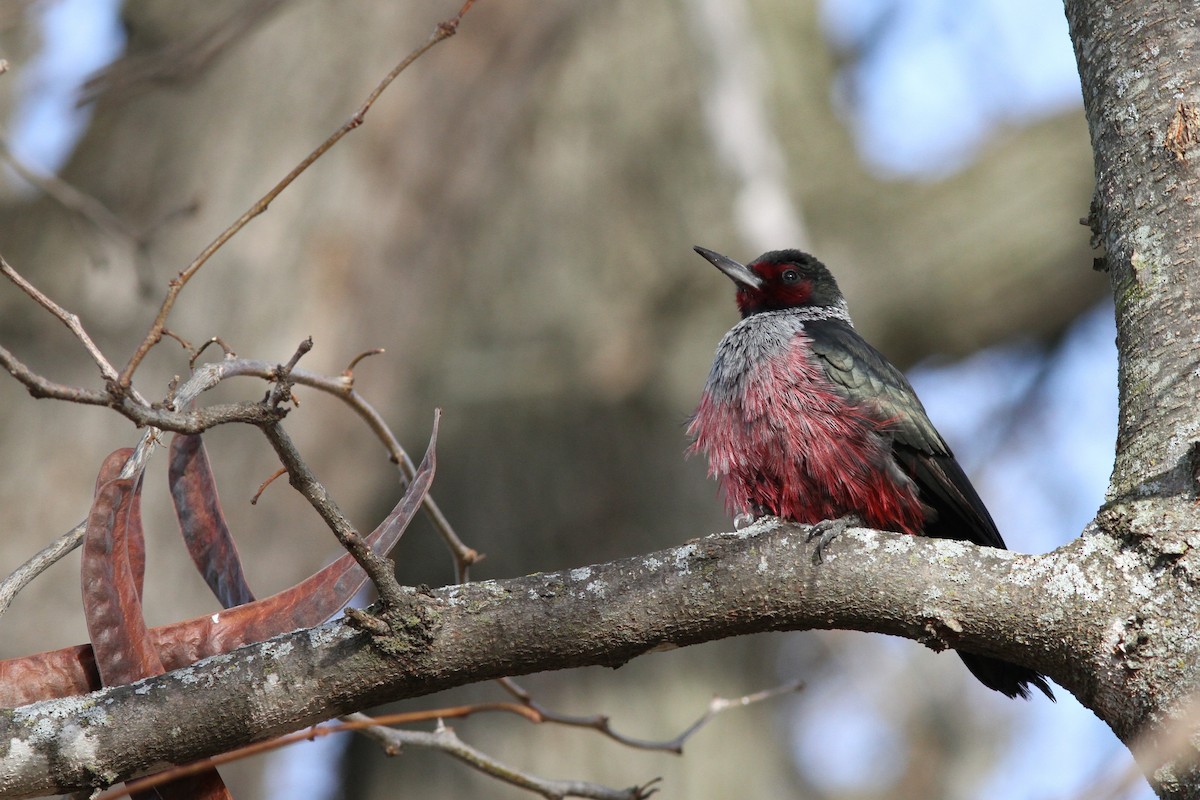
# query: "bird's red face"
{"points": [[778, 280], [782, 284]]}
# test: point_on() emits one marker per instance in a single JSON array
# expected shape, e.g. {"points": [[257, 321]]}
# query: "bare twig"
{"points": [[350, 722], [262, 487], [719, 704], [443, 31], [445, 740], [601, 722], [464, 556], [51, 553], [348, 372], [282, 390], [107, 371], [343, 387], [140, 412], [41, 387], [218, 341], [184, 343], [39, 563], [379, 568]]}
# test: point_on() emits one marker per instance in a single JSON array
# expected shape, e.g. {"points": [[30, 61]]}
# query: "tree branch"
{"points": [[443, 31], [445, 740], [1029, 609]]}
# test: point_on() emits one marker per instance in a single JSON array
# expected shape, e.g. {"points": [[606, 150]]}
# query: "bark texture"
{"points": [[942, 593], [1138, 65]]}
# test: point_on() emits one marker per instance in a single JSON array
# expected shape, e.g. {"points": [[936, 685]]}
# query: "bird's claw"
{"points": [[827, 530], [749, 517]]}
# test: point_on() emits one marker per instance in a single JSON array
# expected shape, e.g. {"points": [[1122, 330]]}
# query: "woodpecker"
{"points": [[802, 419]]}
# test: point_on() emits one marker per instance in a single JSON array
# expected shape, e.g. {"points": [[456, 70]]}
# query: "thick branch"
{"points": [[1025, 608], [1138, 65]]}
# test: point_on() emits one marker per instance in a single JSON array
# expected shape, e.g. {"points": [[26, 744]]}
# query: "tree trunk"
{"points": [[1140, 68]]}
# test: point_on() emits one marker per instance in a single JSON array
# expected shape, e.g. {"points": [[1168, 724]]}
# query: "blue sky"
{"points": [[79, 37], [936, 78]]}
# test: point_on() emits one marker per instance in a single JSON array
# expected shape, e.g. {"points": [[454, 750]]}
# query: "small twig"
{"points": [[184, 343], [107, 371], [262, 487], [359, 721], [445, 740], [377, 567], [39, 563], [443, 31], [140, 412], [40, 387], [53, 552], [348, 372], [601, 723], [217, 340], [202, 379], [350, 722], [719, 704], [282, 390]]}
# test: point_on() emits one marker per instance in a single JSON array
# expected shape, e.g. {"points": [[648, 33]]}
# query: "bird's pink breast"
{"points": [[780, 437]]}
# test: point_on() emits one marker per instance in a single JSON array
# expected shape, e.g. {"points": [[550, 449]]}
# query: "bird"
{"points": [[802, 419]]}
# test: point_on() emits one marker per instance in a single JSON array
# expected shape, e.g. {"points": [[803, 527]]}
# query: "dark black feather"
{"points": [[955, 510], [871, 381]]}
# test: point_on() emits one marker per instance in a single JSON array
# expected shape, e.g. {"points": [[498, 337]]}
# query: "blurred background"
{"points": [[514, 225]]}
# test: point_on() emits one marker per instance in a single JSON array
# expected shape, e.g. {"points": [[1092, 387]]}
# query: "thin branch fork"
{"points": [[446, 740], [107, 371], [204, 378], [352, 722], [393, 741], [602, 724], [154, 335], [379, 568], [342, 386], [119, 388]]}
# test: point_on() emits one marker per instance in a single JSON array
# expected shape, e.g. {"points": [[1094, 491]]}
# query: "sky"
{"points": [[78, 38], [931, 80], [936, 78]]}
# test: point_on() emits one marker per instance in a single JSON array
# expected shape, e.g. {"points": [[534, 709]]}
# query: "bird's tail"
{"points": [[1004, 677]]}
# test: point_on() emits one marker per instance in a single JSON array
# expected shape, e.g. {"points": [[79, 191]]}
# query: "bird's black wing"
{"points": [[871, 381]]}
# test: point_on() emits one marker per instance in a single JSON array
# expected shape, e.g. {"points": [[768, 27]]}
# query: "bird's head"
{"points": [[781, 279]]}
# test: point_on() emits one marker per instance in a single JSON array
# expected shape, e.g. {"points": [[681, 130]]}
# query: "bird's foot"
{"points": [[749, 517], [827, 530]]}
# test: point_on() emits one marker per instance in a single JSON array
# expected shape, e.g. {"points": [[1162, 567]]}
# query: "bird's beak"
{"points": [[738, 273]]}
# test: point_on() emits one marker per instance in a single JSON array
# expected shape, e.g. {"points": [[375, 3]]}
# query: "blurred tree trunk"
{"points": [[514, 224]]}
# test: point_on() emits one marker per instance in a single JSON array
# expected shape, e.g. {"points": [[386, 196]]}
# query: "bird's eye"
{"points": [[790, 276]]}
